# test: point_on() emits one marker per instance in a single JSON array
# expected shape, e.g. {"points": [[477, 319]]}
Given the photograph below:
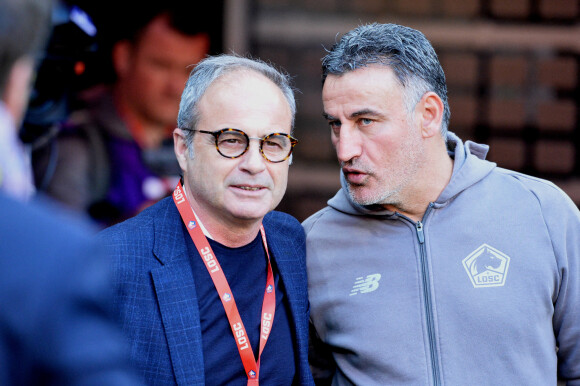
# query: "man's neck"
{"points": [[233, 234], [429, 187], [153, 135], [233, 237]]}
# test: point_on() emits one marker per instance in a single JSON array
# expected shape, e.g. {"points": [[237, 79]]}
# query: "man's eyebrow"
{"points": [[365, 112], [355, 114], [328, 117]]}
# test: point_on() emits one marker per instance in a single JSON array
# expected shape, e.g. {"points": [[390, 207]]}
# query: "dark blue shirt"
{"points": [[245, 269]]}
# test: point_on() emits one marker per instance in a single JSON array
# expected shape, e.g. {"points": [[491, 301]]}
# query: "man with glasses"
{"points": [[210, 284]]}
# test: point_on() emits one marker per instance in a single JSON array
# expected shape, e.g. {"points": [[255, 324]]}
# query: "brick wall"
{"points": [[513, 71]]}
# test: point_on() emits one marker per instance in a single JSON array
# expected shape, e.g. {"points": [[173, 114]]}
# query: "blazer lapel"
{"points": [[287, 258], [175, 288]]}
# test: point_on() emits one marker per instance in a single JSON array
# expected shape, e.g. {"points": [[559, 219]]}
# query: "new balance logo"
{"points": [[487, 267], [367, 284]]}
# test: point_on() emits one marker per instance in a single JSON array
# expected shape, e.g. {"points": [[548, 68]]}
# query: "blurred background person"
{"points": [[55, 325], [114, 155], [16, 73]]}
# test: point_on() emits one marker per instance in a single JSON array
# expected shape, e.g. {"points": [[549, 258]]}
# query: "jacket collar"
{"points": [[175, 288]]}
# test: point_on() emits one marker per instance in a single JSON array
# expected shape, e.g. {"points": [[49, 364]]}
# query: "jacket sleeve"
{"points": [[563, 220]]}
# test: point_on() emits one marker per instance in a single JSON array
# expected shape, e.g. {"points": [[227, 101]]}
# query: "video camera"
{"points": [[60, 71]]}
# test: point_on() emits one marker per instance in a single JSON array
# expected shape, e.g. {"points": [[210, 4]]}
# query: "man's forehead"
{"points": [[244, 84], [233, 76], [361, 83], [244, 99]]}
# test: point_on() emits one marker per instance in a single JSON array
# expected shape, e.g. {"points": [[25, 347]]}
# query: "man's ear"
{"points": [[121, 57], [180, 147], [430, 114]]}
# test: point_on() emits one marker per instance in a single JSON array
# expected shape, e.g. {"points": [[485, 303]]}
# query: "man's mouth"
{"points": [[354, 176], [250, 188]]}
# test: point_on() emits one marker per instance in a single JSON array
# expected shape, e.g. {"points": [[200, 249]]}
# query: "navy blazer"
{"points": [[156, 299], [55, 324]]}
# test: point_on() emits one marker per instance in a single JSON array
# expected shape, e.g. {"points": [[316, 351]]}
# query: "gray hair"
{"points": [[212, 68], [405, 50]]}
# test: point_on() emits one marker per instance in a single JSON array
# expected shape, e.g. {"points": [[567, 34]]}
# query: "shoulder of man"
{"points": [[549, 195], [143, 225], [144, 219], [79, 138], [318, 218], [281, 221], [46, 213]]}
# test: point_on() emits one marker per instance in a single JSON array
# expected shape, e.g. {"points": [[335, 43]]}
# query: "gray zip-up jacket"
{"points": [[485, 290]]}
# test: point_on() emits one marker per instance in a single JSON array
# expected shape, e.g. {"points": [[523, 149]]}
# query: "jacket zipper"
{"points": [[428, 301]]}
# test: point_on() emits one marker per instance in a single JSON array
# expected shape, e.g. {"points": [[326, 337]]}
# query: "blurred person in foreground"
{"points": [[454, 270], [211, 283], [114, 156], [55, 327]]}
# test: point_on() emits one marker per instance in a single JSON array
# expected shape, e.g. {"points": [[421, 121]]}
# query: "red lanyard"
{"points": [[225, 293]]}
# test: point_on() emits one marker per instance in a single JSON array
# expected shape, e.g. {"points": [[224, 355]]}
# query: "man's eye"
{"points": [[334, 125], [231, 141], [366, 121], [273, 145]]}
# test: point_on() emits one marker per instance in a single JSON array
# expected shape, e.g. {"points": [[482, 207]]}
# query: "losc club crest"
{"points": [[487, 267], [227, 297], [252, 374], [269, 289], [191, 224]]}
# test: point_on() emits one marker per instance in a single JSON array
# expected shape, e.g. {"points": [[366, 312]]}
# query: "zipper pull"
{"points": [[420, 234]]}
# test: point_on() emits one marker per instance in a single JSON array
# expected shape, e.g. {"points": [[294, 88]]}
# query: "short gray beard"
{"points": [[392, 196], [382, 198]]}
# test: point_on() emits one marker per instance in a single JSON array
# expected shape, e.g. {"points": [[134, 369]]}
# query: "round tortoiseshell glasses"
{"points": [[233, 143]]}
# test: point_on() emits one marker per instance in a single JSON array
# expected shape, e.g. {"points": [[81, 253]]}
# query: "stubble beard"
{"points": [[382, 197], [390, 186]]}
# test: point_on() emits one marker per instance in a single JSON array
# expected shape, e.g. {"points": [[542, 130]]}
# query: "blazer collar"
{"points": [[169, 234], [175, 288]]}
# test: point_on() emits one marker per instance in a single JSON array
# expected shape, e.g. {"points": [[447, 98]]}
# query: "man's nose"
{"points": [[348, 144], [252, 160]]}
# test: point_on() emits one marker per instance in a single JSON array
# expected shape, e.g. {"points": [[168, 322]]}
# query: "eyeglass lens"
{"points": [[232, 143]]}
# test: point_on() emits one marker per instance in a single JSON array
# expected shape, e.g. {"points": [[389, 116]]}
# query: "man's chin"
{"points": [[363, 201], [356, 194], [249, 213], [362, 198]]}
